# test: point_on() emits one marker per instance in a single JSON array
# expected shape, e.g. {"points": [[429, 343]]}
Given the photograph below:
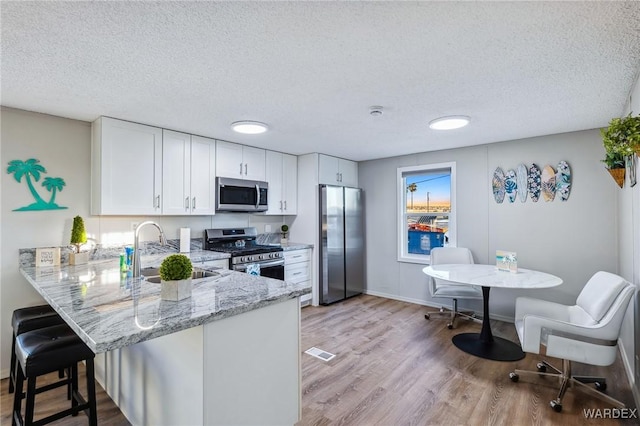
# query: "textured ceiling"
{"points": [[311, 70]]}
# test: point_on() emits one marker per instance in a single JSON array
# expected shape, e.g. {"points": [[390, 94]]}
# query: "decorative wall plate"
{"points": [[511, 185], [534, 182], [521, 180], [497, 183], [563, 180], [548, 183]]}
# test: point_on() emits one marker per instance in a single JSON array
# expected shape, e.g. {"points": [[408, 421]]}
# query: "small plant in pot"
{"points": [[78, 238], [175, 274], [284, 229], [615, 165]]}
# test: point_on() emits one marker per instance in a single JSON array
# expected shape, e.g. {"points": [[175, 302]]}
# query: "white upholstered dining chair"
{"points": [[441, 288], [586, 332]]}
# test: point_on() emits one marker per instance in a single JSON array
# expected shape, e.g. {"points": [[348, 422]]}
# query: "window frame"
{"points": [[401, 218]]}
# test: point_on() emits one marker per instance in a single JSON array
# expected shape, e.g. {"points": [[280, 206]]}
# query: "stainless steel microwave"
{"points": [[237, 195]]}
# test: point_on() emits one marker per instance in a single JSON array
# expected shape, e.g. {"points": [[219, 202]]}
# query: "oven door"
{"points": [[268, 268]]}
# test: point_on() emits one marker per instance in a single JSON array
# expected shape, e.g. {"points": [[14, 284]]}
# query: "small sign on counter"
{"points": [[47, 256], [507, 261]]}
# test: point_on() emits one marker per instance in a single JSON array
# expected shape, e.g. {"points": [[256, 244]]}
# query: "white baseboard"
{"points": [[431, 304], [630, 378]]}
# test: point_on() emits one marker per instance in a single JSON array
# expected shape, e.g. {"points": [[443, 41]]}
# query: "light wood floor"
{"points": [[393, 367]]}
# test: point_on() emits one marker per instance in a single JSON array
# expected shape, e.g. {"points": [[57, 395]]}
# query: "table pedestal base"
{"points": [[498, 349]]}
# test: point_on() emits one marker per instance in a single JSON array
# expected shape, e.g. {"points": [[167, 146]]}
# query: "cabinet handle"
{"points": [[297, 273], [245, 169], [157, 201], [340, 177], [285, 205], [280, 204], [337, 177], [186, 203], [193, 204], [240, 169], [297, 256]]}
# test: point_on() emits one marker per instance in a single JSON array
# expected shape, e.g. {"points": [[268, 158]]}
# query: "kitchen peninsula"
{"points": [[230, 354]]}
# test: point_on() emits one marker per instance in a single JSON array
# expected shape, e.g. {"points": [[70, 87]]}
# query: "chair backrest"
{"points": [[599, 294], [600, 307], [447, 255]]}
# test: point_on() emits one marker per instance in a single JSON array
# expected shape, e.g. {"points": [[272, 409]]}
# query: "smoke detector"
{"points": [[375, 111]]}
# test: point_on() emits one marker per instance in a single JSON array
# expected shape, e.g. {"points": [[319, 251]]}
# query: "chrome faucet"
{"points": [[136, 251]]}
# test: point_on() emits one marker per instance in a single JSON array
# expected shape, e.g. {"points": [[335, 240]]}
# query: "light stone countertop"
{"points": [[296, 246], [109, 310]]}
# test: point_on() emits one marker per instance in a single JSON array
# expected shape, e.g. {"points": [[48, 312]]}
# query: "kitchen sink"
{"points": [[153, 274]]}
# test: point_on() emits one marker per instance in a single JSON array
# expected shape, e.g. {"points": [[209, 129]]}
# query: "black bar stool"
{"points": [[27, 319], [46, 350]]}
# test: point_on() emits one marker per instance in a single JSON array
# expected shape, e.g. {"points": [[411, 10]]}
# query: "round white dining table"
{"points": [[485, 344]]}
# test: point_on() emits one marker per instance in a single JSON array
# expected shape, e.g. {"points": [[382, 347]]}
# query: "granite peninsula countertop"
{"points": [[109, 310], [296, 246]]}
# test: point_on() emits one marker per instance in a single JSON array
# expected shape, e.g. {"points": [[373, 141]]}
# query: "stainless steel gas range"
{"points": [[246, 254]]}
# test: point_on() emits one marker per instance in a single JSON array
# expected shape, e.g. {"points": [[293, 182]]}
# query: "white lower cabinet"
{"points": [[297, 270]]}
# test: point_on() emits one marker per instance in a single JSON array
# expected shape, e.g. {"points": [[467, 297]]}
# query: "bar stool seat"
{"points": [[27, 319], [46, 350]]}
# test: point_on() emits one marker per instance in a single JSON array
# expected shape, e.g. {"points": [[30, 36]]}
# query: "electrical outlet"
{"points": [[134, 225], [267, 228]]}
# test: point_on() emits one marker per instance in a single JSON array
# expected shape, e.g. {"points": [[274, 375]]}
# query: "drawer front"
{"points": [[297, 256], [297, 273]]}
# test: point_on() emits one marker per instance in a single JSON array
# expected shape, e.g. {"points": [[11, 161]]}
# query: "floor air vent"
{"points": [[320, 354]]}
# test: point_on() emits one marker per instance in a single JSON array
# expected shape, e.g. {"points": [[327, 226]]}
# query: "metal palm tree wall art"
{"points": [[30, 170]]}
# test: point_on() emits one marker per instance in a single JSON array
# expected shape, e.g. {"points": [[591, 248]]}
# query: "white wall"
{"points": [[63, 147], [571, 239]]}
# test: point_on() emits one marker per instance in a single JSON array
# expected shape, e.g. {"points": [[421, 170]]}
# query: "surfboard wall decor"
{"points": [[533, 182]]}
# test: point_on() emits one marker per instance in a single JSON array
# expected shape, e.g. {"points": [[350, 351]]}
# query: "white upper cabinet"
{"points": [[126, 168], [188, 174], [337, 171], [240, 162], [282, 176], [203, 175]]}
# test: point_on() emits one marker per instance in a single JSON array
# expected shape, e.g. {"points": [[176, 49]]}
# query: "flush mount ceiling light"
{"points": [[249, 127], [449, 123]]}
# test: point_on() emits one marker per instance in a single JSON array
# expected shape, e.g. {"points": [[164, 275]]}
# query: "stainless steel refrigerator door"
{"points": [[354, 241], [332, 273]]}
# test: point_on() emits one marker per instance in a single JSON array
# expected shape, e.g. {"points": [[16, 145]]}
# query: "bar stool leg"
{"points": [[17, 399], [31, 400], [74, 387], [91, 393], [12, 372]]}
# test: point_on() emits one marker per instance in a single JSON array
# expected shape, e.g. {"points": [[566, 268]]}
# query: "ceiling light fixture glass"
{"points": [[449, 123], [249, 127]]}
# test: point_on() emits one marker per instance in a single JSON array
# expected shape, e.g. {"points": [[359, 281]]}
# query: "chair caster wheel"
{"points": [[601, 386], [449, 326], [427, 316], [541, 367], [514, 377], [557, 407]]}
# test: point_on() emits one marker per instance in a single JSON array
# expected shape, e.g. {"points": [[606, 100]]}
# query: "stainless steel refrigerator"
{"points": [[342, 250]]}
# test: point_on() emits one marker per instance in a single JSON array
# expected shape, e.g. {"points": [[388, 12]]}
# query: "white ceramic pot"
{"points": [[78, 258]]}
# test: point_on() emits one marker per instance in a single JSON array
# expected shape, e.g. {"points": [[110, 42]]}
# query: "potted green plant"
{"points": [[175, 277], [78, 237], [622, 136], [615, 162], [284, 230]]}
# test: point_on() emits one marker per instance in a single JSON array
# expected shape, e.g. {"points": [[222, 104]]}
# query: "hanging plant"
{"points": [[622, 136]]}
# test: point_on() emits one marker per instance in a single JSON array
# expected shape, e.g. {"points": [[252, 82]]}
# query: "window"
{"points": [[426, 210]]}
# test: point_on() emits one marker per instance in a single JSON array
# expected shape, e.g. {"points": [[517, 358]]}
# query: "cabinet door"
{"points": [[229, 161], [254, 163], [274, 178], [328, 172], [290, 183], [203, 175], [126, 168], [348, 172], [176, 173]]}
